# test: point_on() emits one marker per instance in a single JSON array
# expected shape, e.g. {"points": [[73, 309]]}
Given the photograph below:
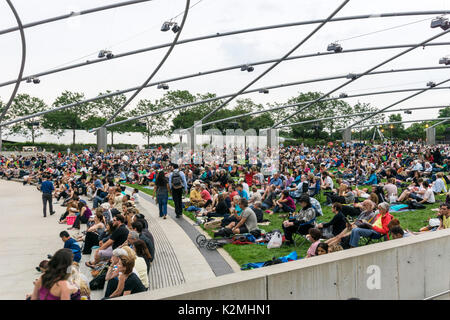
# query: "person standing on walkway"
{"points": [[47, 189], [177, 181], [162, 193]]}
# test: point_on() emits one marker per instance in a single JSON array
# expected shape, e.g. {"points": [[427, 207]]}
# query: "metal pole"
{"points": [[22, 64], [399, 101], [154, 71], [120, 55], [351, 115], [276, 63], [394, 122], [255, 112], [436, 124], [363, 74], [72, 14]]}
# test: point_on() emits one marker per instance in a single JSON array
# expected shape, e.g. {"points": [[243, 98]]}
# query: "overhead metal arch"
{"points": [[395, 122], [266, 110], [133, 52], [22, 64], [436, 124], [361, 75], [118, 92], [156, 69], [276, 63], [72, 14], [397, 102], [355, 115]]}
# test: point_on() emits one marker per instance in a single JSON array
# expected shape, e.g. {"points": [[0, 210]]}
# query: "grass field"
{"points": [[411, 220]]}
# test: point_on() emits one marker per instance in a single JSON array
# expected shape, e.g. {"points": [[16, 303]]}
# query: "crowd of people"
{"points": [[361, 183]]}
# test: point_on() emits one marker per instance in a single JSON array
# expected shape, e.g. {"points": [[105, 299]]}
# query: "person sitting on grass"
{"points": [[314, 236], [322, 248], [195, 195], [247, 221], [286, 203], [300, 222], [337, 224], [269, 198]]}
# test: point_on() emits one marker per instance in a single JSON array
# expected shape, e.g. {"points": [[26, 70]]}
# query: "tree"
{"points": [[71, 118], [397, 130], [155, 125], [444, 113], [24, 105], [107, 107]]}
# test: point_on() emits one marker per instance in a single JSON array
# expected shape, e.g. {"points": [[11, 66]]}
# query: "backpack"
{"points": [[176, 180], [98, 283]]}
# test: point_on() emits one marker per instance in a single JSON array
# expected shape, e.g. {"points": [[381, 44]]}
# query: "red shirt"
{"points": [[249, 178]]}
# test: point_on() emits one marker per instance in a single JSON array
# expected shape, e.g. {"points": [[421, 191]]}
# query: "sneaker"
{"points": [[52, 213], [164, 217]]}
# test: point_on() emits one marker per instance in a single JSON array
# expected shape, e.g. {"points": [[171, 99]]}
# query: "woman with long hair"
{"points": [[142, 263], [54, 284], [162, 193]]}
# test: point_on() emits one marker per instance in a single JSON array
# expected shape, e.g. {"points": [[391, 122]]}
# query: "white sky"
{"points": [[138, 26]]}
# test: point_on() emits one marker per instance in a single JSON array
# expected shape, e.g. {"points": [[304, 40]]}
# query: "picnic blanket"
{"points": [[290, 257], [398, 207]]}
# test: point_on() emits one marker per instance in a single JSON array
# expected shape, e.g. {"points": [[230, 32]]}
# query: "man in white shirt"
{"points": [[428, 197], [439, 185]]}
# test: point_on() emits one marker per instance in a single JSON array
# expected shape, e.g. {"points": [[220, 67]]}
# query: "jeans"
{"points": [[360, 232], [47, 197], [284, 207], [162, 204], [96, 201]]}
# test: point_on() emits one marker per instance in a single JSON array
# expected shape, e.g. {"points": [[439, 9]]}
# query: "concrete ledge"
{"points": [[416, 267]]}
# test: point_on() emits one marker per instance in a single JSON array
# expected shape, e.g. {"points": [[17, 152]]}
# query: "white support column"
{"points": [[102, 143], [347, 135], [431, 136]]}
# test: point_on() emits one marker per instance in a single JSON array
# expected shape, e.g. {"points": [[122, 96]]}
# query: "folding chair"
{"points": [[302, 238]]}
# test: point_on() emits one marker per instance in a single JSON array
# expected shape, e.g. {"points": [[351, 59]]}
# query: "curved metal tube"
{"points": [[69, 15], [22, 64], [355, 115], [154, 71], [395, 122], [268, 110], [397, 102], [361, 75], [275, 64], [120, 55], [283, 85]]}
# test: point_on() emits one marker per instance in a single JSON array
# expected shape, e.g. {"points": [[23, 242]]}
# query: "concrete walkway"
{"points": [[28, 237]]}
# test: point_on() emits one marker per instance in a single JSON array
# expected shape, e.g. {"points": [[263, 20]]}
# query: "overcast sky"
{"points": [[138, 26]]}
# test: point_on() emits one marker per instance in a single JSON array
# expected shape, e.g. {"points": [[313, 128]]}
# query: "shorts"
{"points": [[243, 229], [105, 254]]}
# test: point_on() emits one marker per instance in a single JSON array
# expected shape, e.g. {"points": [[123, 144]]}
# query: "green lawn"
{"points": [[411, 220]]}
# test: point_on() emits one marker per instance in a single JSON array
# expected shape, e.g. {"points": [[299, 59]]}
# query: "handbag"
{"points": [[98, 283], [362, 224]]}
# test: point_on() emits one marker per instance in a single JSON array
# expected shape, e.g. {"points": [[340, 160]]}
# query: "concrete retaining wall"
{"points": [[411, 268]]}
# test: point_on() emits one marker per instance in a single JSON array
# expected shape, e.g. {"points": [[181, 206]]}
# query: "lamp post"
{"points": [[392, 127]]}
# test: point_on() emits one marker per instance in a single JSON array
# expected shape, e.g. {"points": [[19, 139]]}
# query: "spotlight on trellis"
{"points": [[444, 60], [105, 53], [334, 46], [408, 111], [441, 22], [431, 84], [33, 79], [247, 68], [265, 91], [352, 76], [164, 86], [176, 28], [166, 26], [343, 95]]}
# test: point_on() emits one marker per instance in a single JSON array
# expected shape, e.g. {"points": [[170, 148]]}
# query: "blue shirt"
{"points": [[243, 194], [98, 184], [276, 182], [73, 245], [47, 187]]}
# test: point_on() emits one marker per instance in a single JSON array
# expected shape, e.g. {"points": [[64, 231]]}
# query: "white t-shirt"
{"points": [[329, 181], [429, 195]]}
